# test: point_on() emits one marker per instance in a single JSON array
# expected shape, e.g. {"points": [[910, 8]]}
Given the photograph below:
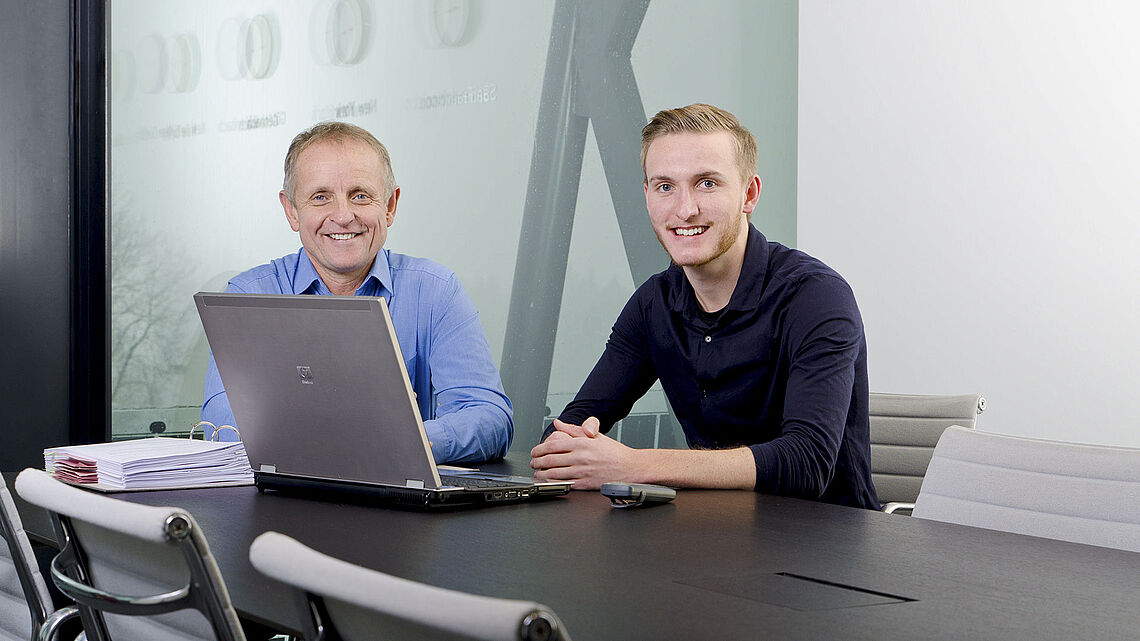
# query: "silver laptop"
{"points": [[323, 402]]}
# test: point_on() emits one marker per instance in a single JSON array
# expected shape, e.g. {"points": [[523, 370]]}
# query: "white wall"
{"points": [[973, 169]]}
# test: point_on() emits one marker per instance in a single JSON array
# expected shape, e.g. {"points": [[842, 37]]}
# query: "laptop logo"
{"points": [[306, 374]]}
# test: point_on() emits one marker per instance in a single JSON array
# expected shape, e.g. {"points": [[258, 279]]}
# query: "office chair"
{"points": [[135, 571], [25, 604], [904, 430], [1053, 489], [347, 602]]}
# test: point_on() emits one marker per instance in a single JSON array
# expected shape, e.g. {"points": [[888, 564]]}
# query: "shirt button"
{"points": [[708, 339], [704, 393]]}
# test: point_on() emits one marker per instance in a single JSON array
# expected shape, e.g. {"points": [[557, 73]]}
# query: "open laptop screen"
{"points": [[318, 387]]}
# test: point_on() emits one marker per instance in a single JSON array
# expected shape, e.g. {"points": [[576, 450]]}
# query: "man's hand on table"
{"points": [[582, 454]]}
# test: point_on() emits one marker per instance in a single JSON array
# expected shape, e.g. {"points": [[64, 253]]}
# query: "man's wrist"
{"points": [[724, 469], [643, 465]]}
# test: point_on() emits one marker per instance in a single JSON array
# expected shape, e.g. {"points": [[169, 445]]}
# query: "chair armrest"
{"points": [[891, 508], [119, 603]]}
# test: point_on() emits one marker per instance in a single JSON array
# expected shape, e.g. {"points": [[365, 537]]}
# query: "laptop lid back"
{"points": [[318, 387]]}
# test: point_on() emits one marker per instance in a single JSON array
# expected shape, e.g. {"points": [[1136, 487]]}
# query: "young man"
{"points": [[340, 196], [759, 348]]}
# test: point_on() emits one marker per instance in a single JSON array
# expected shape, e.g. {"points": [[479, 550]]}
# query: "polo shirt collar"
{"points": [[749, 286], [308, 281]]}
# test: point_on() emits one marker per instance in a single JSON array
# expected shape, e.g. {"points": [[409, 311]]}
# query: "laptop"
{"points": [[323, 403]]}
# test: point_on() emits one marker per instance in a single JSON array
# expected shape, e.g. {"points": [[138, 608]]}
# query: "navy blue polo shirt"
{"points": [[781, 369]]}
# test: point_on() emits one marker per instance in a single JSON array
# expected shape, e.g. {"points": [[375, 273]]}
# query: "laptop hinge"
{"points": [[272, 469], [414, 484]]}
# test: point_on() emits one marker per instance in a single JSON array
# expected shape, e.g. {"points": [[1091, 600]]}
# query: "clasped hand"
{"points": [[582, 454]]}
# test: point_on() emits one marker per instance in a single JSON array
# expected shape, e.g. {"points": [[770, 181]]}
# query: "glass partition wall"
{"points": [[513, 127]]}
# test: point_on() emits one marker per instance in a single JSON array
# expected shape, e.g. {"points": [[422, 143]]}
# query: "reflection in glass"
{"points": [[455, 89]]}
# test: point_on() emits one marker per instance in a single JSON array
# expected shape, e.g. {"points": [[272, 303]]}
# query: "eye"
{"points": [[319, 199], [664, 188], [708, 183], [361, 198]]}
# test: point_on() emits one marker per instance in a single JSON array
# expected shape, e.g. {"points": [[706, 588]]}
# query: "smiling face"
{"points": [[698, 201], [342, 210]]}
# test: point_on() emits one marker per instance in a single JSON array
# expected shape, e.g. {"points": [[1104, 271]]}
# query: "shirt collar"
{"points": [[378, 282], [753, 273], [749, 285]]}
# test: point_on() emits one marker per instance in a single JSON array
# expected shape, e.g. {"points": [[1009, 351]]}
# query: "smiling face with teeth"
{"points": [[342, 210], [698, 201]]}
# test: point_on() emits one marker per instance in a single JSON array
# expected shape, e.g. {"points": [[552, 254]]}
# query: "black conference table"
{"points": [[710, 565]]}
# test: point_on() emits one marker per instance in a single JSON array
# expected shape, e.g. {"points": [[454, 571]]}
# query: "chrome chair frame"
{"points": [[45, 622], [70, 575]]}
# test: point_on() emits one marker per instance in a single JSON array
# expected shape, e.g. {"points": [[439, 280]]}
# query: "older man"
{"points": [[340, 195], [758, 347]]}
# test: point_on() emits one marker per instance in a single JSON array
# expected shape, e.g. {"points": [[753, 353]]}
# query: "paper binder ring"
{"points": [[217, 430]]}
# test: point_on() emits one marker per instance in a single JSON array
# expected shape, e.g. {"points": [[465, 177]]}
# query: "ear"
{"points": [[390, 207], [752, 193], [290, 211]]}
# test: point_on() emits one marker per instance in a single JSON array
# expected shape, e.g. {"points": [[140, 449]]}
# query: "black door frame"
{"points": [[88, 226]]}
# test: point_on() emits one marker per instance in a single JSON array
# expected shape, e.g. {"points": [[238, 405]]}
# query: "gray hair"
{"points": [[334, 131]]}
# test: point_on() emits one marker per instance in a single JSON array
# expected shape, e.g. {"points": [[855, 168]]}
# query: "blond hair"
{"points": [[701, 119], [340, 132]]}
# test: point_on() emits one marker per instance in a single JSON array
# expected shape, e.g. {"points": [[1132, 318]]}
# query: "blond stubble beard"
{"points": [[724, 244]]}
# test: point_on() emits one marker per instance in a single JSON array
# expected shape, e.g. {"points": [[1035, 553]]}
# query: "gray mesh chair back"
{"points": [[1082, 493], [24, 599], [904, 430], [136, 572], [345, 602]]}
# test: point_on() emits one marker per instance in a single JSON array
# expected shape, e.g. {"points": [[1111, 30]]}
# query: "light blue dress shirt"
{"points": [[460, 395]]}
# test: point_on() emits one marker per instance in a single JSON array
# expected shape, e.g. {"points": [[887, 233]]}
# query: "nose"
{"points": [[341, 213], [687, 206]]}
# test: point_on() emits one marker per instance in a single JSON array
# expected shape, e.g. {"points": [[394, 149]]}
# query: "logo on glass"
{"points": [[306, 374]]}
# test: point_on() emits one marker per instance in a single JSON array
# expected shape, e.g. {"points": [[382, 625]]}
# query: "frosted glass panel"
{"points": [[207, 95]]}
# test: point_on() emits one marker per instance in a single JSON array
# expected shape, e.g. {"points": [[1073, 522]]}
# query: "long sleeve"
{"points": [[215, 403], [473, 417], [824, 338], [781, 369], [621, 376], [460, 396]]}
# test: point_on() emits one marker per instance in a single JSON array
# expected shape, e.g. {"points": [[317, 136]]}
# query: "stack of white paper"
{"points": [[151, 464]]}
